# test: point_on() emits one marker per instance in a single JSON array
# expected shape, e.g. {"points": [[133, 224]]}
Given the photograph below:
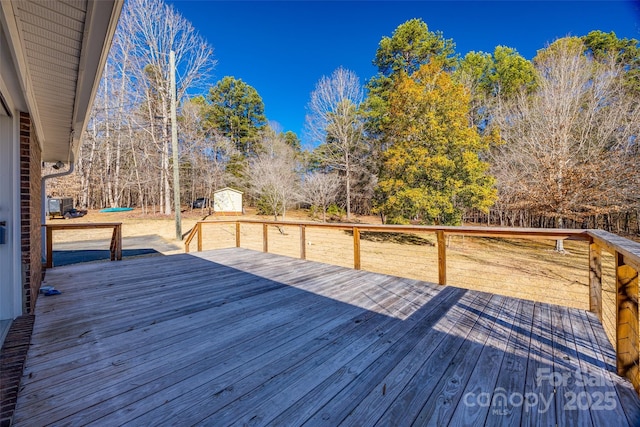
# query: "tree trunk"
{"points": [[107, 161], [165, 157], [116, 178], [87, 169], [348, 178], [136, 170]]}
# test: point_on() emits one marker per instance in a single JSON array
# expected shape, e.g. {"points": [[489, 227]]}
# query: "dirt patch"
{"points": [[399, 238]]}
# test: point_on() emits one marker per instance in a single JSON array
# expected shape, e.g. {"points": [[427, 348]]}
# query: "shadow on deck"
{"points": [[240, 337], [67, 253]]}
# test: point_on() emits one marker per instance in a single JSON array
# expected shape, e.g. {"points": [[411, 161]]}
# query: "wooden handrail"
{"points": [[532, 233], [626, 254], [615, 244], [115, 247], [356, 229]]}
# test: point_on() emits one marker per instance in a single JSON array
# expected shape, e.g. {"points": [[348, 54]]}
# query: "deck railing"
{"points": [[441, 232], [115, 246], [620, 301], [609, 288]]}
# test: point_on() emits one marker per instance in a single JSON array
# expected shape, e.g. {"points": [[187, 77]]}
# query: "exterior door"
{"points": [[10, 296]]}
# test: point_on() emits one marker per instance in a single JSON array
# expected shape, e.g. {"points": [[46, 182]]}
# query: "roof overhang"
{"points": [[59, 50]]}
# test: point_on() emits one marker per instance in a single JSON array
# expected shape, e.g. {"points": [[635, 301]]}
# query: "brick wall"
{"points": [[12, 357], [30, 206]]}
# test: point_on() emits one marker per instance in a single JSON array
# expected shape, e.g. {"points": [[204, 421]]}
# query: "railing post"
{"points": [[116, 243], [356, 248], [442, 258], [119, 252], [595, 279], [265, 238], [112, 245], [199, 236], [49, 247], [303, 242], [237, 234], [627, 322]]}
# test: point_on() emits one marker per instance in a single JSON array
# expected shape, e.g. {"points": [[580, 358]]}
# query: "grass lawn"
{"points": [[521, 268]]}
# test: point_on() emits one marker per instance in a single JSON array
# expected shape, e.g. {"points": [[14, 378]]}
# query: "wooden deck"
{"points": [[241, 337]]}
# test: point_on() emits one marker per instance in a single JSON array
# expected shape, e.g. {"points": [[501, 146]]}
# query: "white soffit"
{"points": [[60, 49]]}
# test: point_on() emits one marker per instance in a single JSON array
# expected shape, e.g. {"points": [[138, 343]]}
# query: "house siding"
{"points": [[30, 216]]}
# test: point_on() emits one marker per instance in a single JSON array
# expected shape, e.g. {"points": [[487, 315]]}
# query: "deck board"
{"points": [[538, 389], [446, 395], [569, 389], [482, 379], [236, 337]]}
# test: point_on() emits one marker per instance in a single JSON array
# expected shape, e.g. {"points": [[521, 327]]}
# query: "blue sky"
{"points": [[282, 48]]}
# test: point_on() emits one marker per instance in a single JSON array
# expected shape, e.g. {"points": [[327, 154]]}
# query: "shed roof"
{"points": [[228, 189]]}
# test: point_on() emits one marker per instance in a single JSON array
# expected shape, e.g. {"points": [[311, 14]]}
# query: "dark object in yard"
{"points": [[201, 202], [74, 213]]}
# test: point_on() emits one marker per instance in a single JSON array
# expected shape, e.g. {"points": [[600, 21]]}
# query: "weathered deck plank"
{"points": [[331, 378], [482, 381], [455, 327], [241, 337], [446, 395], [565, 358], [627, 397], [336, 397], [539, 390]]}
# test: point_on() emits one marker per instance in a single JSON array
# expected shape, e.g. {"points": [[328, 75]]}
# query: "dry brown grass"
{"points": [[135, 223], [529, 269], [520, 268]]}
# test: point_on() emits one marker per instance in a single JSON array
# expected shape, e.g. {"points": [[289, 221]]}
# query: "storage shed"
{"points": [[227, 200]]}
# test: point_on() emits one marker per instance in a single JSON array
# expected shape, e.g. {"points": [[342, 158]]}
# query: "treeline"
{"points": [[627, 222], [433, 137]]}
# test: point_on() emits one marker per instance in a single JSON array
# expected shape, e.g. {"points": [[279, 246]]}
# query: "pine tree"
{"points": [[432, 171]]}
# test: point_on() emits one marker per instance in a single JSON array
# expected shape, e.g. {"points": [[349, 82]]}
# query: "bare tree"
{"points": [[273, 174], [156, 29], [568, 148], [125, 157], [334, 123], [205, 154], [320, 190]]}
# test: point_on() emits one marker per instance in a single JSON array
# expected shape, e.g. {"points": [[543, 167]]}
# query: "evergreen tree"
{"points": [[410, 46], [492, 77], [432, 171], [608, 48], [236, 111]]}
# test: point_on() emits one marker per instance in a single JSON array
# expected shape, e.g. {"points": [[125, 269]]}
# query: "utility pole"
{"points": [[174, 145]]}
